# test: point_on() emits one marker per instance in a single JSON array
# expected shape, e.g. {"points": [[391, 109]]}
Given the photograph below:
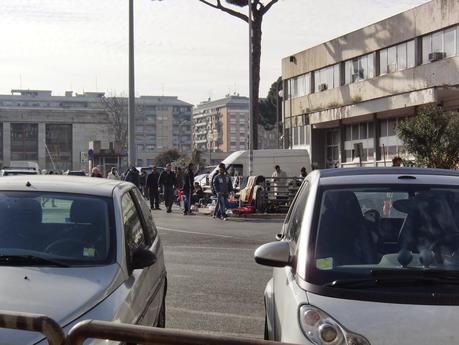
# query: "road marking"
{"points": [[193, 232], [213, 313], [210, 247]]}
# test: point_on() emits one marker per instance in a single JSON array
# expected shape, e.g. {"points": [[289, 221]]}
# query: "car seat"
{"points": [[344, 234]]}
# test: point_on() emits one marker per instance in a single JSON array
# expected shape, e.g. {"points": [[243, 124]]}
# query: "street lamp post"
{"points": [[131, 105], [251, 115]]}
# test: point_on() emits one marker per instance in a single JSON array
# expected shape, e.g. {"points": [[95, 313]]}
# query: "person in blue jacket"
{"points": [[222, 186]]}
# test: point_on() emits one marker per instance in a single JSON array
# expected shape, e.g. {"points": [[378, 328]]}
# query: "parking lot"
{"points": [[214, 285]]}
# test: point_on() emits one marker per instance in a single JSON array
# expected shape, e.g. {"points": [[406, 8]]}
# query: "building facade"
{"points": [[221, 125], [352, 91], [55, 131], [162, 122]]}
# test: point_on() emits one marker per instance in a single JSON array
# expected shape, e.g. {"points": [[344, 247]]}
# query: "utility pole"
{"points": [[251, 115], [132, 160]]}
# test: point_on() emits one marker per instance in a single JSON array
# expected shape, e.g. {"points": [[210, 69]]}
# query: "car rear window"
{"points": [[75, 229]]}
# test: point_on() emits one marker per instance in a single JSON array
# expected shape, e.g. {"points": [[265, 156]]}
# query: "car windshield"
{"points": [[68, 228], [363, 230]]}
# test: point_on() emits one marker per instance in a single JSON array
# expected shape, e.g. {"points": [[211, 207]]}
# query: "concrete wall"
{"points": [[437, 74], [423, 19]]}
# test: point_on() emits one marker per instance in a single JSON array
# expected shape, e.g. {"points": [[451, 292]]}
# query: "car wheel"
{"points": [[162, 315]]}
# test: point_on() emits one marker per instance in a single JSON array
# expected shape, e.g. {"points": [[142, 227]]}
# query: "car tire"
{"points": [[162, 315]]}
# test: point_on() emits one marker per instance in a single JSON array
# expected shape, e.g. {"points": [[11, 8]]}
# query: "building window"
{"points": [[59, 146], [360, 68], [24, 141], [327, 78], [299, 86], [358, 131], [397, 58], [444, 42], [388, 127]]}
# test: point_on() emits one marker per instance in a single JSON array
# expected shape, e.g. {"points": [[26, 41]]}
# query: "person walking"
{"points": [[168, 181], [222, 186], [143, 183], [153, 188], [113, 174], [188, 189], [132, 176]]}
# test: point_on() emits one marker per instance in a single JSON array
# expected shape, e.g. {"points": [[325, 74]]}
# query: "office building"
{"points": [[354, 89]]}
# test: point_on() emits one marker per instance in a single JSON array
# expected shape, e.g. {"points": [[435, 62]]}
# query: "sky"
{"points": [[183, 48]]}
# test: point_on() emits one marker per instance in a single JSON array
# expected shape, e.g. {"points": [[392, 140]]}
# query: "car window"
{"points": [[75, 229], [387, 227], [296, 218], [147, 217], [133, 231]]}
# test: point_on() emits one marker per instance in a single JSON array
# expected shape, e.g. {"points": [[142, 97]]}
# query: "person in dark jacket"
{"points": [[168, 181], [188, 189], [222, 186], [133, 176], [153, 188]]}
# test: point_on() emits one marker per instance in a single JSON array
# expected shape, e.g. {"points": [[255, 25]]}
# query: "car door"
{"points": [[143, 284], [285, 290]]}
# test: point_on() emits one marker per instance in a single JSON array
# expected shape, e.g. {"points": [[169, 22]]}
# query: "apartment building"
{"points": [[162, 122], [351, 91], [221, 125], [55, 131]]}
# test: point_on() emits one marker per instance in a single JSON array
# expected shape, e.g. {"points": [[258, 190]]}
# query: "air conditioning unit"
{"points": [[436, 56], [323, 87]]}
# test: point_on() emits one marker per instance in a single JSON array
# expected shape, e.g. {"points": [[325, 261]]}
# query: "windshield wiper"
{"points": [[25, 260], [399, 277]]}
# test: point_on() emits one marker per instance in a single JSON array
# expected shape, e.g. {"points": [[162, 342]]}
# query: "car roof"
{"points": [[62, 184], [386, 171], [381, 175]]}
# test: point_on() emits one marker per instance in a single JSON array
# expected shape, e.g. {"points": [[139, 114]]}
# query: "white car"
{"points": [[76, 249], [367, 256]]}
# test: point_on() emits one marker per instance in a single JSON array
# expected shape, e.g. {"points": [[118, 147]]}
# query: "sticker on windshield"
{"points": [[89, 251], [324, 264]]}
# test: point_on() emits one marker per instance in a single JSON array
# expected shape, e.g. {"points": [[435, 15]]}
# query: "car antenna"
{"points": [[28, 184]]}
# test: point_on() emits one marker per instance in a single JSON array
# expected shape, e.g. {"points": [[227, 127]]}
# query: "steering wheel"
{"points": [[445, 240], [66, 247]]}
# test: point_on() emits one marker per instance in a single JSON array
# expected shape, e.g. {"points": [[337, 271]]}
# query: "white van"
{"points": [[264, 161]]}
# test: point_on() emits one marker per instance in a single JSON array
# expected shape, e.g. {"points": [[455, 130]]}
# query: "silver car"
{"points": [[367, 256], [75, 249]]}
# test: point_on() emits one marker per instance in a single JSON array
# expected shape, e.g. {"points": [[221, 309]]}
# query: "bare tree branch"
{"points": [[226, 9], [268, 6]]}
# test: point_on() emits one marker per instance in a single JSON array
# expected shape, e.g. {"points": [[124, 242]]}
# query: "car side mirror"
{"points": [[279, 236], [142, 258], [274, 254]]}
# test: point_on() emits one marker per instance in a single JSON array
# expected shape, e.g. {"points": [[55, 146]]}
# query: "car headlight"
{"points": [[322, 329]]}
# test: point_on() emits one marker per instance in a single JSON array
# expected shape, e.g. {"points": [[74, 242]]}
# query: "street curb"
{"points": [[264, 216]]}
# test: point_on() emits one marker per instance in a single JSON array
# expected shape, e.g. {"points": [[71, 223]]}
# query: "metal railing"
{"points": [[103, 330], [276, 193], [150, 335], [35, 323]]}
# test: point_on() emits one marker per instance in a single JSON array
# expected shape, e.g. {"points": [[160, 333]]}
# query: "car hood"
{"points": [[62, 294], [387, 323]]}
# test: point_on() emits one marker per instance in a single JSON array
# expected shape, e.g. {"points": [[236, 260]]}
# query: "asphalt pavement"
{"points": [[214, 284]]}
